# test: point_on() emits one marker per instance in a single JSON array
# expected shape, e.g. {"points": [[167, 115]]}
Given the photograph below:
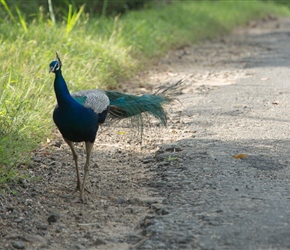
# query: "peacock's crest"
{"points": [[55, 65]]}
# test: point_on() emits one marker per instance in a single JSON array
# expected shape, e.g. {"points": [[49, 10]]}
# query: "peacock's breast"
{"points": [[77, 125]]}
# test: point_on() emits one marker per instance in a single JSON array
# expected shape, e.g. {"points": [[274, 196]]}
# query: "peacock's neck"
{"points": [[61, 91]]}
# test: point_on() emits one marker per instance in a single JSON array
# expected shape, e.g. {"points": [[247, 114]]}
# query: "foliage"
{"points": [[282, 2], [72, 18], [94, 8], [96, 52]]}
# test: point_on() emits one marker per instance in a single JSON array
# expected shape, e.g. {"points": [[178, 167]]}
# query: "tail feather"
{"points": [[136, 107], [171, 90], [125, 106]]}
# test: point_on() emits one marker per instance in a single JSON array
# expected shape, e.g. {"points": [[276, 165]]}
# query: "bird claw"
{"points": [[78, 188], [83, 199]]}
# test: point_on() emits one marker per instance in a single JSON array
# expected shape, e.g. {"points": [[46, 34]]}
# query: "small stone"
{"points": [[134, 238], [19, 220], [163, 163], [57, 144], [41, 233], [160, 210], [60, 228], [53, 218], [78, 246], [18, 244], [10, 209], [41, 226], [148, 160], [37, 159], [28, 202], [99, 242], [164, 211], [87, 235], [120, 200], [36, 239], [134, 201], [170, 148], [13, 236], [22, 183]]}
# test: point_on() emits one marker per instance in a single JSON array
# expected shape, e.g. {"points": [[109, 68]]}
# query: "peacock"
{"points": [[79, 115]]}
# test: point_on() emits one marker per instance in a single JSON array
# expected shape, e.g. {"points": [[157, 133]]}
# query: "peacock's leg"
{"points": [[89, 147], [75, 156]]}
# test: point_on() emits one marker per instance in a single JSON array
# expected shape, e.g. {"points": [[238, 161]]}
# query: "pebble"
{"points": [[53, 218], [19, 220], [170, 148], [148, 160], [18, 244], [159, 209], [41, 226], [58, 230], [22, 183], [37, 159], [163, 163], [120, 200], [10, 209], [78, 246], [99, 242], [28, 202], [36, 239], [134, 238]]}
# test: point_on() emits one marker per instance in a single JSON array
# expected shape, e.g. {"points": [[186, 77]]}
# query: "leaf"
{"points": [[172, 158], [240, 156], [22, 20], [121, 132], [73, 17], [8, 10]]}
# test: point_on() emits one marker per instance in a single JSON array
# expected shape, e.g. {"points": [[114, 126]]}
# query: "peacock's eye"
{"points": [[56, 66]]}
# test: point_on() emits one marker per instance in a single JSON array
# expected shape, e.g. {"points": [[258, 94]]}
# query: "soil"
{"points": [[217, 177]]}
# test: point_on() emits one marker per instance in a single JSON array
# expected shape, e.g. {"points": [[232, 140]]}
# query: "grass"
{"points": [[96, 52]]}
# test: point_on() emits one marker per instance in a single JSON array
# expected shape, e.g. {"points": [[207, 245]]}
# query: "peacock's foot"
{"points": [[83, 198], [78, 188], [80, 199]]}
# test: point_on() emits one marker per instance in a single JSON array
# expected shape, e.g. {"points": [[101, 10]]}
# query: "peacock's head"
{"points": [[55, 66]]}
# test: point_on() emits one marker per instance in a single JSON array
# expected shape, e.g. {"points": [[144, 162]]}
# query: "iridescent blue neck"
{"points": [[63, 96]]}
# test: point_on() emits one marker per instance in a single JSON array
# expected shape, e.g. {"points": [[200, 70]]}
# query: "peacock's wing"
{"points": [[94, 99]]}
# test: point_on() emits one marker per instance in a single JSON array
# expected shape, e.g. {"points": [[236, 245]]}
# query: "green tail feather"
{"points": [[125, 106]]}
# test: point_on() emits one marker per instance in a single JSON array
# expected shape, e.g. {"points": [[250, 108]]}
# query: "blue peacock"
{"points": [[78, 115]]}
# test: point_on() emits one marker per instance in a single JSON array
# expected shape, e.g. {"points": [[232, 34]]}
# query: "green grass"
{"points": [[96, 52]]}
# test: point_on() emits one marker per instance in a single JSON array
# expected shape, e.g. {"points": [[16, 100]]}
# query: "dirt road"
{"points": [[182, 188]]}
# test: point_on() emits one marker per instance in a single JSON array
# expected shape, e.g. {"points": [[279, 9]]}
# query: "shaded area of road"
{"points": [[236, 101]]}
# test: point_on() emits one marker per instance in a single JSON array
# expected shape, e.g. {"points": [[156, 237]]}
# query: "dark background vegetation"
{"points": [[96, 7], [93, 7]]}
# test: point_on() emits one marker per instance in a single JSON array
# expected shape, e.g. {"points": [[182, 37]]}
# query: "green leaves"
{"points": [[72, 17], [21, 17], [8, 11]]}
